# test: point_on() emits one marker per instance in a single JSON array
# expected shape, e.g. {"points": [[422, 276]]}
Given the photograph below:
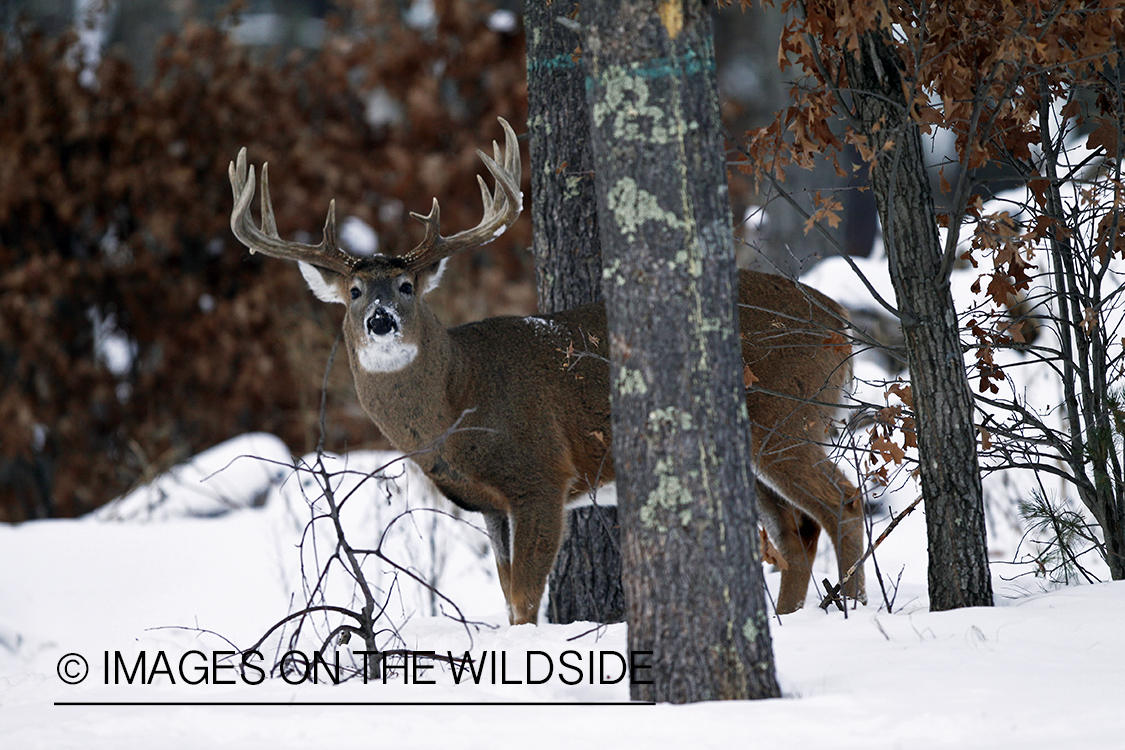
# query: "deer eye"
{"points": [[407, 288], [355, 292]]}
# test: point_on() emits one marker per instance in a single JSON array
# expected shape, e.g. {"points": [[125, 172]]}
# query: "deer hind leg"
{"points": [[806, 478], [796, 535], [537, 530], [500, 534]]}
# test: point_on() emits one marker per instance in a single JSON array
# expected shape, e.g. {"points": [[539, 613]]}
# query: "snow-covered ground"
{"points": [[212, 555]]}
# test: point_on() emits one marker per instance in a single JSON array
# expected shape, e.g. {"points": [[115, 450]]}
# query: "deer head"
{"points": [[385, 316]]}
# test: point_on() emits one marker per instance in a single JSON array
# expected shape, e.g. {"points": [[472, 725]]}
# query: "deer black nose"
{"points": [[381, 323]]}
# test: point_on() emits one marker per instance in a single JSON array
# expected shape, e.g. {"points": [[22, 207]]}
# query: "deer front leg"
{"points": [[500, 534], [536, 535]]}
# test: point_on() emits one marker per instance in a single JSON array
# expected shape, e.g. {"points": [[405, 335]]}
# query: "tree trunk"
{"points": [[585, 583], [943, 403], [568, 259], [691, 565], [586, 580]]}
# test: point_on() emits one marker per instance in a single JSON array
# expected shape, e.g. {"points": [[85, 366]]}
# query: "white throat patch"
{"points": [[386, 356]]}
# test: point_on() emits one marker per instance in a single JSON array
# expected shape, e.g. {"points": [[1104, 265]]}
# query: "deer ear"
{"points": [[430, 277], [325, 284]]}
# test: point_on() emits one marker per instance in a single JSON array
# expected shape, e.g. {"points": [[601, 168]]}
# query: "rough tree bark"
{"points": [[568, 260], [943, 403], [585, 583], [692, 571]]}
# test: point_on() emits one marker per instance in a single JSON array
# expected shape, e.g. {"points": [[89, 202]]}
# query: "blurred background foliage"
{"points": [[135, 331]]}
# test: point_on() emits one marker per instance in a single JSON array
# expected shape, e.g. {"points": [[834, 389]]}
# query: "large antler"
{"points": [[501, 208], [327, 254]]}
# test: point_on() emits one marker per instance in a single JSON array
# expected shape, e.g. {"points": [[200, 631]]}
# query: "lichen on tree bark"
{"points": [[692, 574]]}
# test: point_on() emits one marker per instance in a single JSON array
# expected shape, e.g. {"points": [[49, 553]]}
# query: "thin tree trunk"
{"points": [[585, 583], [691, 565], [943, 404]]}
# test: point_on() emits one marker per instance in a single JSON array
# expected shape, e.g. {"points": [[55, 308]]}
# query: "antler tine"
{"points": [[485, 193], [269, 223], [327, 254], [501, 208], [512, 155], [432, 221]]}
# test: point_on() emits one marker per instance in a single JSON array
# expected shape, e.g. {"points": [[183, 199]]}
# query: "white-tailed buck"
{"points": [[535, 420]]}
